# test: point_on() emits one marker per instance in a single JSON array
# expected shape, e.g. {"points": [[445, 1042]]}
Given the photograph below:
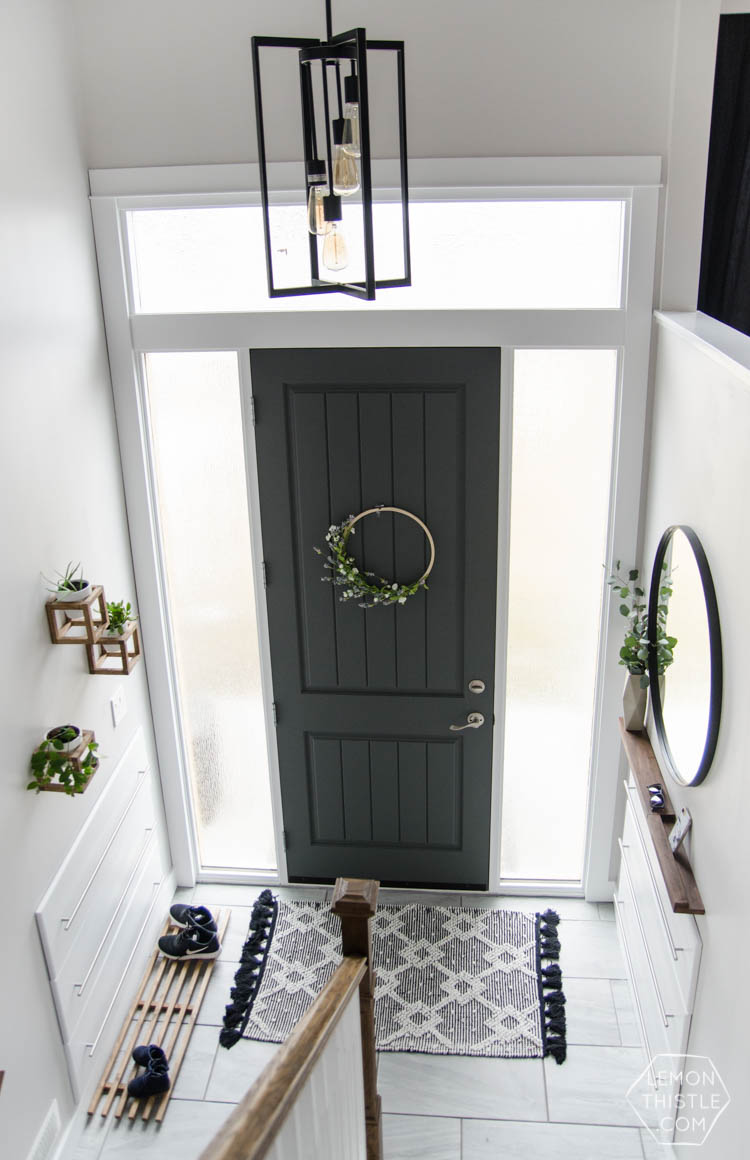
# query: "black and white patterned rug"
{"points": [[449, 980]]}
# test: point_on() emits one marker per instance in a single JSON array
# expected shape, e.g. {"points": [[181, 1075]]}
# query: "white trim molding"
{"points": [[722, 343], [451, 173]]}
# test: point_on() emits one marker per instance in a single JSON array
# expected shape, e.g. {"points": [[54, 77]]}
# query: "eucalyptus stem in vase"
{"points": [[635, 648]]}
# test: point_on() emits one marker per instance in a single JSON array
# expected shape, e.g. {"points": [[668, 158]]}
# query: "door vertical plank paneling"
{"points": [[326, 789], [443, 793], [444, 474], [346, 499], [375, 547], [307, 457], [384, 790], [355, 763], [413, 792], [410, 544]]}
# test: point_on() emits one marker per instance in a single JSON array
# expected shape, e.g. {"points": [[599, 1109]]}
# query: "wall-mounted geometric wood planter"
{"points": [[115, 655], [75, 758], [83, 621]]}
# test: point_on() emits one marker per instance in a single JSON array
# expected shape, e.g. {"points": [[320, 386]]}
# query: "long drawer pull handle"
{"points": [[672, 947], [634, 993], [68, 922], [664, 1016], [81, 986], [93, 1046]]}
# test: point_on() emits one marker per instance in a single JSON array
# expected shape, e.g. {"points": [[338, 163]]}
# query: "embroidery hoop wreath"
{"points": [[358, 585]]}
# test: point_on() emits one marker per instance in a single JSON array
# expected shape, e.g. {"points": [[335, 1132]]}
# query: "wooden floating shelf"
{"points": [[85, 628], [163, 1012], [679, 880], [115, 655], [75, 757]]}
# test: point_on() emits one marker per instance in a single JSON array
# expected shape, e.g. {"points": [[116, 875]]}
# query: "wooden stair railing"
{"points": [[250, 1131]]}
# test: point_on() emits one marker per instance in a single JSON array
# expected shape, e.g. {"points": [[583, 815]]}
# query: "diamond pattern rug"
{"points": [[449, 980]]}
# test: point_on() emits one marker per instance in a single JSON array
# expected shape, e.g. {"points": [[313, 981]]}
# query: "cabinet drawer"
{"points": [[107, 895], [91, 873], [663, 1031], [672, 939], [76, 988], [102, 1014]]}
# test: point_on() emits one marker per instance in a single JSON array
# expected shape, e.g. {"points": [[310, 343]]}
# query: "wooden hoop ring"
{"points": [[402, 512]]}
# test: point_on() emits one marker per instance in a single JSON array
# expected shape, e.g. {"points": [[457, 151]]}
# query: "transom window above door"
{"points": [[532, 254]]}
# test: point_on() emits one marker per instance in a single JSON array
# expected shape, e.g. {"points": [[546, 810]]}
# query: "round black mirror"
{"points": [[684, 666]]}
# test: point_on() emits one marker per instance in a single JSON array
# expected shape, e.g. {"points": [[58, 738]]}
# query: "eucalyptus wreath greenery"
{"points": [[634, 652], [357, 585]]}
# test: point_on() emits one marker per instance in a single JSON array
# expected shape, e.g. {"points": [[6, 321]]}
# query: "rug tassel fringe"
{"points": [[550, 987], [250, 971]]}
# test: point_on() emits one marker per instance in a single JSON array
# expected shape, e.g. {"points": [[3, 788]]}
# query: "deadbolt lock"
{"points": [[476, 686]]}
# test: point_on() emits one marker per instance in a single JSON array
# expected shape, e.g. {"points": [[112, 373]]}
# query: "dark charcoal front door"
{"points": [[374, 783]]}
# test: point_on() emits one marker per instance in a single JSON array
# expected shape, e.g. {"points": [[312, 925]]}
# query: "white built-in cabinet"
{"points": [[662, 949], [102, 912]]}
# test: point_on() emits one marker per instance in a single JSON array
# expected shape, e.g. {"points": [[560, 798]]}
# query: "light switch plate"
{"points": [[118, 705]]}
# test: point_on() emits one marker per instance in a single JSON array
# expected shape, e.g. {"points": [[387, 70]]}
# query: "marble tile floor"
{"points": [[435, 1107]]}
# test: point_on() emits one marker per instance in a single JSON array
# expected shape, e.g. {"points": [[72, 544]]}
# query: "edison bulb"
{"points": [[316, 221], [345, 172], [350, 143], [350, 137], [335, 249]]}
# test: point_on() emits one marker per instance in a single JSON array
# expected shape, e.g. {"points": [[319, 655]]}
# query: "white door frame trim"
{"points": [[129, 336]]}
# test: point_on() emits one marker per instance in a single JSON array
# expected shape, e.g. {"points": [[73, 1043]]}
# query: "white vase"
{"points": [[68, 746], [634, 700], [77, 595]]}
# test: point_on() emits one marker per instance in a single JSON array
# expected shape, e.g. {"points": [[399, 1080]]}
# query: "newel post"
{"points": [[354, 901]]}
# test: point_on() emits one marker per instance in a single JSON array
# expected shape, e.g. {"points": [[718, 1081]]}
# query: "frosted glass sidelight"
{"points": [[196, 430], [541, 254], [563, 420]]}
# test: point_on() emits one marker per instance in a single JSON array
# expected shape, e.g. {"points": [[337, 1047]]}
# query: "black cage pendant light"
{"points": [[326, 243]]}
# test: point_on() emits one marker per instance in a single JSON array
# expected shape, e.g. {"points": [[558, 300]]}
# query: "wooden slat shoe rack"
{"points": [[164, 1012]]}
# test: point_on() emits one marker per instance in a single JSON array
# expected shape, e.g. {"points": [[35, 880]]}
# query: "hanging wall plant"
{"points": [[70, 585], [55, 766], [65, 738], [367, 588], [120, 615]]}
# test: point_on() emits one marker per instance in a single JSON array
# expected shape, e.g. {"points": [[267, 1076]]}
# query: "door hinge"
{"points": [[274, 710], [285, 838], [253, 416], [264, 573]]}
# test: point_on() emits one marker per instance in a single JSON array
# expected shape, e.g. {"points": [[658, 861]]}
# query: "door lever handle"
{"points": [[473, 721]]}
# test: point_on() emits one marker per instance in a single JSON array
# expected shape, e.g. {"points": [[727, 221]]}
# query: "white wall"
{"points": [[168, 82], [60, 498], [699, 476]]}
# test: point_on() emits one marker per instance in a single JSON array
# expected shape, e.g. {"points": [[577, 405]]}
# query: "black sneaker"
{"points": [[183, 915], [155, 1079], [143, 1056], [191, 943]]}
